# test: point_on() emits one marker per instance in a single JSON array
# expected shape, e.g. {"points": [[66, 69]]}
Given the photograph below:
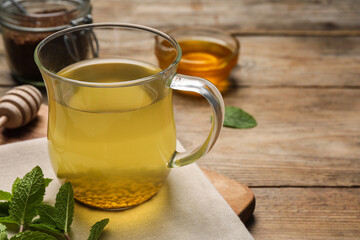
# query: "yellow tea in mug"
{"points": [[113, 144]]}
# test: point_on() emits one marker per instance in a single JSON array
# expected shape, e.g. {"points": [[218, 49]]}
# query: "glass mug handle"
{"points": [[212, 94]]}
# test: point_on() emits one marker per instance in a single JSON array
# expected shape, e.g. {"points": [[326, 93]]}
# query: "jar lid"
{"points": [[44, 16]]}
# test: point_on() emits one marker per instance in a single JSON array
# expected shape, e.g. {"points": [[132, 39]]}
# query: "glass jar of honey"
{"points": [[206, 52], [24, 23]]}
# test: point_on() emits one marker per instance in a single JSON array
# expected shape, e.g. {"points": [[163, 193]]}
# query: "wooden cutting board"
{"points": [[240, 198]]}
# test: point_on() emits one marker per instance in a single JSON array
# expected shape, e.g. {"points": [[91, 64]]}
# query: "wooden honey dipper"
{"points": [[19, 106]]}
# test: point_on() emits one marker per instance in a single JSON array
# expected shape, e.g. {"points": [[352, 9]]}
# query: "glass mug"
{"points": [[111, 129]]}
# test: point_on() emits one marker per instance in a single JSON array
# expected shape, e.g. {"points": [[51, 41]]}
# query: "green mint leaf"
{"points": [[15, 184], [64, 207], [47, 181], [237, 118], [4, 209], [5, 196], [97, 229], [28, 194], [45, 227], [47, 214], [32, 235], [3, 233], [8, 219]]}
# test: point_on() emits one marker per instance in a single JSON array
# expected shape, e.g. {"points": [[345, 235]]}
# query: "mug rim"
{"points": [[107, 25]]}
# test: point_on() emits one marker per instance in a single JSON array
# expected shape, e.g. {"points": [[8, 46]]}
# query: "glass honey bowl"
{"points": [[208, 53]]}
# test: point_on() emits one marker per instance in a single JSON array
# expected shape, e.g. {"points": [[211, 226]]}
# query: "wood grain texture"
{"points": [[298, 61], [35, 129], [235, 15], [240, 198], [306, 213], [298, 33], [304, 137]]}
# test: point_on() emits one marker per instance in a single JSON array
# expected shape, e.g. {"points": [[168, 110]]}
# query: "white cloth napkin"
{"points": [[187, 207]]}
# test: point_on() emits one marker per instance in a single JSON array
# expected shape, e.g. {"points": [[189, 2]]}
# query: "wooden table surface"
{"points": [[299, 75]]}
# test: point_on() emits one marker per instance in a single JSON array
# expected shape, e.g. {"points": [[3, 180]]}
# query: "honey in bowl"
{"points": [[209, 59], [208, 53]]}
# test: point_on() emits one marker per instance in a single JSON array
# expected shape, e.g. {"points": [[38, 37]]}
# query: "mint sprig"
{"points": [[15, 185], [5, 196], [28, 194], [3, 234], [32, 235], [9, 219], [46, 228], [47, 219], [97, 229], [238, 118], [47, 181], [47, 214], [4, 209], [64, 207], [24, 207]]}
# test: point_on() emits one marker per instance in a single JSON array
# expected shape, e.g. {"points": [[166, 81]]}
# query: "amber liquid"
{"points": [[206, 58], [112, 144]]}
